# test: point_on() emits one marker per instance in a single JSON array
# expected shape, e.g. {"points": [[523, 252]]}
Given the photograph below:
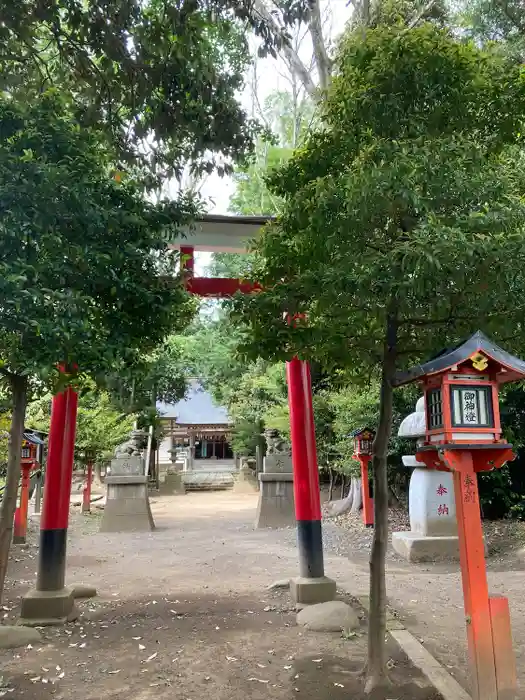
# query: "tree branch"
{"points": [[322, 60], [291, 56]]}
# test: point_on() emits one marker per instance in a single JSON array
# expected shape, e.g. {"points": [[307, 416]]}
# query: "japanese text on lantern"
{"points": [[443, 509], [469, 495], [441, 490], [470, 409]]}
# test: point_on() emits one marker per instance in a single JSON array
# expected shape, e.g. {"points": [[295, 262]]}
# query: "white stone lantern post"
{"points": [[431, 504]]}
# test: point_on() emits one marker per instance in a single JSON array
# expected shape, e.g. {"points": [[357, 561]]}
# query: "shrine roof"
{"points": [[196, 408], [358, 431], [512, 367]]}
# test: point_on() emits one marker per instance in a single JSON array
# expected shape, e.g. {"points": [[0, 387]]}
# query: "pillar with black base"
{"points": [[51, 602], [312, 586]]}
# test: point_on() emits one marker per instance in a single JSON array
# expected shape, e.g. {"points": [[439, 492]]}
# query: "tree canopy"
{"points": [[85, 275], [160, 78]]}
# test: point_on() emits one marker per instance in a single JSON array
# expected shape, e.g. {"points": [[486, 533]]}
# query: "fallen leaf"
{"points": [[258, 680], [141, 647], [317, 661], [339, 685], [150, 658]]}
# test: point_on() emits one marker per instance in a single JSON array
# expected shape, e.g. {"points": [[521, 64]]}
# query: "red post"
{"points": [[86, 494], [20, 524], [368, 502], [187, 260], [57, 492], [305, 470]]}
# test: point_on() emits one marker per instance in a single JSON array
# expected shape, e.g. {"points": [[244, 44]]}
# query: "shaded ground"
{"points": [[184, 612]]}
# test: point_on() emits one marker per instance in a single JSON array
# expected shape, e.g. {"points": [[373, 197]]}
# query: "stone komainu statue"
{"points": [[276, 445], [132, 447]]}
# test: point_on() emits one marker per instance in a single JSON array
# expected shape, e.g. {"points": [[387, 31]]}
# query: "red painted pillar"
{"points": [[474, 577], [368, 503], [187, 263], [305, 470], [20, 524], [20, 533], [57, 491], [86, 494]]}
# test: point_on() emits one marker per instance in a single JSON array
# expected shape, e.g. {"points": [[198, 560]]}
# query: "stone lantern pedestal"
{"points": [[433, 524], [431, 505], [276, 506], [127, 506]]}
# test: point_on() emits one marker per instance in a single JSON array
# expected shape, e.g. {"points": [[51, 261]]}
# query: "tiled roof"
{"points": [[197, 408]]}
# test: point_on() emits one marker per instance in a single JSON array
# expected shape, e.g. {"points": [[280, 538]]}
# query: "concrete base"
{"points": [[276, 501], [310, 591], [246, 481], [127, 506], [18, 539], [172, 484], [419, 548], [44, 608]]}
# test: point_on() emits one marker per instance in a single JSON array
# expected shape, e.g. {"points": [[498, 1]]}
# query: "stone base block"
{"points": [[44, 608], [172, 484], [419, 548], [310, 591], [127, 506], [276, 507]]}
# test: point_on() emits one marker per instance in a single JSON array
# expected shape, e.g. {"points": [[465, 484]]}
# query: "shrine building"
{"points": [[195, 428]]}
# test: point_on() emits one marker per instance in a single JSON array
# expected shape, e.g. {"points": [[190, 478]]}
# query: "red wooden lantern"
{"points": [[461, 388], [28, 462], [363, 441], [463, 435], [29, 450]]}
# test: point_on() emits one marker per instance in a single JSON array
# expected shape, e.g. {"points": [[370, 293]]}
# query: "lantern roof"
{"points": [[510, 368], [32, 438], [360, 431]]}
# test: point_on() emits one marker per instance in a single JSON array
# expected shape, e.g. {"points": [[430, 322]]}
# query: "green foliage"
{"points": [[287, 119], [161, 78], [100, 427], [85, 276], [407, 205], [499, 21], [156, 376]]}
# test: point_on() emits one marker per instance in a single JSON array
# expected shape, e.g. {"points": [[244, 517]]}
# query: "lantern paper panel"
{"points": [[471, 407]]}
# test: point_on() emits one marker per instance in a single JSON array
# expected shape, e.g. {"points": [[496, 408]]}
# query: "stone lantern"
{"points": [[431, 504]]}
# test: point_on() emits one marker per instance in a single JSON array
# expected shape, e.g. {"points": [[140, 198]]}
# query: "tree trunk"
{"points": [[343, 485], [357, 502], [8, 507], [331, 484], [322, 61], [376, 666], [97, 486]]}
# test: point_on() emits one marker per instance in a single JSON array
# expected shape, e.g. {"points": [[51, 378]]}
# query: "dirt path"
{"points": [[183, 611]]}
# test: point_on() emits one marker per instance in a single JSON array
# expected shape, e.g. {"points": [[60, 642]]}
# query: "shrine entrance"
{"points": [[51, 600], [232, 234]]}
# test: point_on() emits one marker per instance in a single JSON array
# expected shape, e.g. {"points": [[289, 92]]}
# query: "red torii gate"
{"points": [[51, 602], [216, 233]]}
